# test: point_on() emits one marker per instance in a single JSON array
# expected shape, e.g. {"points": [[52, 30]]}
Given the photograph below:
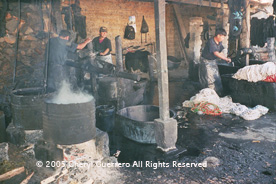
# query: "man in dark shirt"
{"points": [[208, 70], [57, 56], [102, 46]]}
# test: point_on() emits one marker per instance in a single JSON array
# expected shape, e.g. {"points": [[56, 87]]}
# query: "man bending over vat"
{"points": [[58, 51], [208, 70]]}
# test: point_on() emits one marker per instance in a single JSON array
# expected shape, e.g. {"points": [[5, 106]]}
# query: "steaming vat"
{"points": [[26, 107], [67, 124], [137, 122]]}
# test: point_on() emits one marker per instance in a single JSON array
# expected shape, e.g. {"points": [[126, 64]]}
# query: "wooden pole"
{"points": [[119, 54], [121, 89], [165, 127], [245, 39], [161, 55]]}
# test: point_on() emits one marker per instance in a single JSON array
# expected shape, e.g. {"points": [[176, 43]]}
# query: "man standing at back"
{"points": [[57, 56], [208, 70]]}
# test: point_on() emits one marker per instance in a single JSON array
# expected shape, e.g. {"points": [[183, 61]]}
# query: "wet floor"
{"points": [[246, 149]]}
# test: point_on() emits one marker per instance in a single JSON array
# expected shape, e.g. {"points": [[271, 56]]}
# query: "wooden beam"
{"points": [[199, 3], [161, 56], [192, 2]]}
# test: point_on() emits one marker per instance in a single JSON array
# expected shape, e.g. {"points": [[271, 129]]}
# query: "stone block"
{"points": [[102, 143], [166, 134], [4, 148], [45, 151], [15, 135]]}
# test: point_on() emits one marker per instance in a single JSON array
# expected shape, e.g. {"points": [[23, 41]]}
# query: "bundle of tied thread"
{"points": [[211, 100]]}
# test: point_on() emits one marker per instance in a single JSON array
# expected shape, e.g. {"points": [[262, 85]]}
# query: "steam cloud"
{"points": [[66, 95]]}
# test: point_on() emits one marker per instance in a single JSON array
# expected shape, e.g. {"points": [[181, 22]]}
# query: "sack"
{"points": [[129, 33], [144, 27]]}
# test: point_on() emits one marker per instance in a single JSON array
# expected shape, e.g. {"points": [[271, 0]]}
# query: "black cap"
{"points": [[103, 29]]}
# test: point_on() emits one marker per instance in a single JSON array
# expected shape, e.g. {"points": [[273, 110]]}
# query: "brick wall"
{"points": [[114, 15]]}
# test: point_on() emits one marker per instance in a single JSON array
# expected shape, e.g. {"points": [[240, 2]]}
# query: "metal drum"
{"points": [[67, 124], [26, 106]]}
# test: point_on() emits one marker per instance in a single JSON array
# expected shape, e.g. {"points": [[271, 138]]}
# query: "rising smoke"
{"points": [[65, 95]]}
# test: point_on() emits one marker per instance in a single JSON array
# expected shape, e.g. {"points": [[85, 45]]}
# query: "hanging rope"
{"points": [[207, 108]]}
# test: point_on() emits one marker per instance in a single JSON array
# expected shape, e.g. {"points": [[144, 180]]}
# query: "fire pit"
{"points": [[137, 122]]}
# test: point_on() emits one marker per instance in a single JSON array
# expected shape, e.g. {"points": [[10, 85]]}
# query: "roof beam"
{"points": [[192, 2], [199, 3]]}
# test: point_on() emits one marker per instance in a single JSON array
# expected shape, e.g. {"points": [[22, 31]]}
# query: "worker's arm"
{"points": [[105, 52], [83, 44], [221, 56]]}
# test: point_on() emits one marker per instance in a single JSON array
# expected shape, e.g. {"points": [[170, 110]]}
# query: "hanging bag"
{"points": [[144, 29], [129, 32]]}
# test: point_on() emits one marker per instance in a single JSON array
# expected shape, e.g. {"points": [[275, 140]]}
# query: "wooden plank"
{"points": [[11, 173], [26, 181], [181, 30], [161, 56], [54, 177]]}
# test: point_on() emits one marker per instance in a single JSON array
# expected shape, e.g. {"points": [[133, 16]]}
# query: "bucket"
{"points": [[26, 106], [105, 117], [2, 127], [68, 124]]}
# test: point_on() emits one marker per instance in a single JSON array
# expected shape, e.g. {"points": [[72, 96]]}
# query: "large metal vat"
{"points": [[137, 122], [26, 106], [67, 124], [250, 93]]}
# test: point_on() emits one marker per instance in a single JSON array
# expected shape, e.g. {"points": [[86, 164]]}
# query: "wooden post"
{"points": [[225, 25], [119, 54], [161, 55], [195, 43], [245, 39], [121, 89], [165, 127]]}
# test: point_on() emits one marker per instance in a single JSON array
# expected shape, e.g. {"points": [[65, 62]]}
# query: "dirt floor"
{"points": [[235, 150]]}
